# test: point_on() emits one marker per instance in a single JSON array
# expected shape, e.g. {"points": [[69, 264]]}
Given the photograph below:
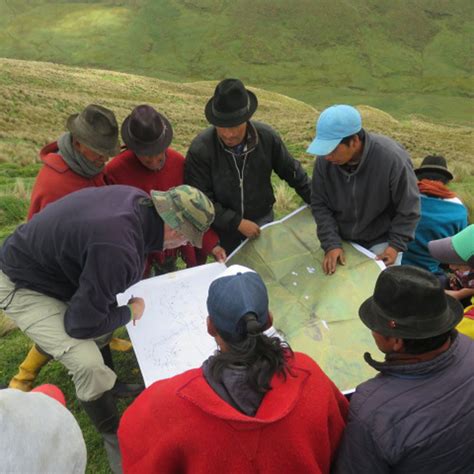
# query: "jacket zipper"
{"points": [[241, 180], [354, 202]]}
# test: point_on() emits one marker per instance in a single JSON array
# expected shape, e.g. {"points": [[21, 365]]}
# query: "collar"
{"points": [[408, 367], [251, 140], [152, 225], [276, 404]]}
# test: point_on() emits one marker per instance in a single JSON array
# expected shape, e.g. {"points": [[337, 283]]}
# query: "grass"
{"points": [[404, 57], [38, 97]]}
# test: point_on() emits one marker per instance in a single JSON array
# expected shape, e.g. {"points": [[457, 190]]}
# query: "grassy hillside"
{"points": [[37, 98], [404, 57]]}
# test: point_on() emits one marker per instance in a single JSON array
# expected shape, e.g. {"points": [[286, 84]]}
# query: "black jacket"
{"points": [[242, 189], [84, 249], [413, 418]]}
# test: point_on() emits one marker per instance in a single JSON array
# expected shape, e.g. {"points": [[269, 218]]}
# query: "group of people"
{"points": [[95, 227]]}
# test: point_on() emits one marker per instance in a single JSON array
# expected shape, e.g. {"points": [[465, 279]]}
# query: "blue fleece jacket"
{"points": [[440, 218]]}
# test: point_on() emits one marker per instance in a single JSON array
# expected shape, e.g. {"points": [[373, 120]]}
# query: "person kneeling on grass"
{"points": [[61, 271], [254, 406]]}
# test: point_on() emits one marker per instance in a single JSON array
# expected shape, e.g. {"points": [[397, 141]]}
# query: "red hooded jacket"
{"points": [[55, 180], [181, 425]]}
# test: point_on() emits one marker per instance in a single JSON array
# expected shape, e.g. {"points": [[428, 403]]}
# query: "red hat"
{"points": [[52, 391]]}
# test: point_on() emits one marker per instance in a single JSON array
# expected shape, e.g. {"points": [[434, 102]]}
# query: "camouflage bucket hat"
{"points": [[185, 209]]}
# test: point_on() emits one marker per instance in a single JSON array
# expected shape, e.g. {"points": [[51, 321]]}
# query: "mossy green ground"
{"points": [[38, 97]]}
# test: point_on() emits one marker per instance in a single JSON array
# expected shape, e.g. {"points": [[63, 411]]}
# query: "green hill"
{"points": [[403, 57], [37, 98]]}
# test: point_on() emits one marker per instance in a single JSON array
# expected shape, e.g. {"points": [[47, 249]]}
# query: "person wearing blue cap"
{"points": [[254, 406], [363, 189]]}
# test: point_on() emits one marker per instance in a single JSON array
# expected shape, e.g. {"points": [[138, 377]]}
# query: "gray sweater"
{"points": [[377, 203], [413, 418]]}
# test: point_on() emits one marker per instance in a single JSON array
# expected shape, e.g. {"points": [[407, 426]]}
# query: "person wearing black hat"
{"points": [[232, 162], [150, 163], [442, 213], [76, 161], [416, 415], [254, 406]]}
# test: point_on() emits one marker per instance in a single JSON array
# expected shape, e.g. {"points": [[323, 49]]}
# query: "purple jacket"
{"points": [[84, 249], [416, 418]]}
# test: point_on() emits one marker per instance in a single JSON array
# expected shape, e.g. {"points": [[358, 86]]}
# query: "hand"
{"points": [[330, 260], [388, 256], [453, 293], [249, 229], [460, 294], [138, 307], [219, 253]]}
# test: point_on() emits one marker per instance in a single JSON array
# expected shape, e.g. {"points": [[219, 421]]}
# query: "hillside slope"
{"points": [[404, 57], [38, 97]]}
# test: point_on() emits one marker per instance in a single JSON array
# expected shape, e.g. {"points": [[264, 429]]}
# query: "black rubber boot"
{"points": [[120, 389], [105, 417]]}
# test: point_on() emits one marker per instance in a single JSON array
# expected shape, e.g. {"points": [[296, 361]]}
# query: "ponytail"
{"points": [[260, 355]]}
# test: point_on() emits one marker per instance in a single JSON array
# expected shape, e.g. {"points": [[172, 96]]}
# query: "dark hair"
{"points": [[360, 134], [420, 346], [260, 355]]}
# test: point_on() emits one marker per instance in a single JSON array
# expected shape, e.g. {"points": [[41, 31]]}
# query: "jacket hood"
{"points": [[278, 403]]}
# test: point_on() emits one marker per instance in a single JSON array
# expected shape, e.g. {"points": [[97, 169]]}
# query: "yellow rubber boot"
{"points": [[120, 345], [29, 370]]}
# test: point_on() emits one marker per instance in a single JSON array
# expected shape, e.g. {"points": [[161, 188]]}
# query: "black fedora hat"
{"points": [[409, 302], [146, 132], [96, 128], [434, 164], [231, 105]]}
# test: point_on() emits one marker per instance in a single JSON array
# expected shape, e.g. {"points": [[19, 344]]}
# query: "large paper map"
{"points": [[316, 313]]}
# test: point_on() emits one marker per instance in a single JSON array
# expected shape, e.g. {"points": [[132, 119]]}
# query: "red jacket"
{"points": [[56, 180], [180, 425], [126, 168]]}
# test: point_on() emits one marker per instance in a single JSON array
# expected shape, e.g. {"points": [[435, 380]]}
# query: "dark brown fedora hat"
{"points": [[409, 302], [434, 164], [231, 105], [146, 132], [96, 128]]}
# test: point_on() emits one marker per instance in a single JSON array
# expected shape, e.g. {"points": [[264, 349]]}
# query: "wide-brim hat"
{"points": [[434, 164], [458, 249], [96, 128], [146, 132], [185, 209], [231, 105], [409, 302]]}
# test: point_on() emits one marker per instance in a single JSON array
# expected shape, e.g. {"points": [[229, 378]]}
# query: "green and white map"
{"points": [[317, 314]]}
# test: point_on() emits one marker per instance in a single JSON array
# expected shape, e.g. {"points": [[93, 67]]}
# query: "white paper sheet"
{"points": [[171, 337]]}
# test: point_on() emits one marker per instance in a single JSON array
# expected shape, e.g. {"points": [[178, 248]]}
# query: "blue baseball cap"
{"points": [[232, 297], [334, 124]]}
